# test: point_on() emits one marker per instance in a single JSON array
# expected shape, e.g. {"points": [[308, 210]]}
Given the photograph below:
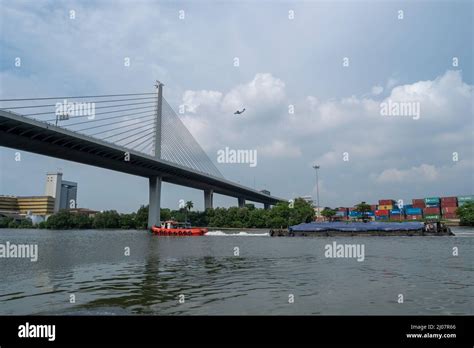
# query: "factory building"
{"points": [[64, 192], [30, 205], [36, 205], [59, 194]]}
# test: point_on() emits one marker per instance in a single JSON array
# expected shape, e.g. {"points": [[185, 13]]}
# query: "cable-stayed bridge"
{"points": [[137, 133]]}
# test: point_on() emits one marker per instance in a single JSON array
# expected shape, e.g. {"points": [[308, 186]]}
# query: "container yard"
{"points": [[420, 209]]}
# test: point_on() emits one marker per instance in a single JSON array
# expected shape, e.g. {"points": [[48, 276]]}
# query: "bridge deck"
{"points": [[42, 138]]}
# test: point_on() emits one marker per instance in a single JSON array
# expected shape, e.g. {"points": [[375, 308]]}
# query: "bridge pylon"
{"points": [[154, 182]]}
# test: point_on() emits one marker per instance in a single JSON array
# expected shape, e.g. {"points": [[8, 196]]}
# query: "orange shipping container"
{"points": [[385, 207]]}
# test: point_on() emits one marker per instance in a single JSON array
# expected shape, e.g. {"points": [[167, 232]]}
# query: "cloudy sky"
{"points": [[333, 63]]}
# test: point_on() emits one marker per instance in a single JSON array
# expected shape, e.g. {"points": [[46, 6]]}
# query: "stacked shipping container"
{"points": [[428, 208], [449, 207], [415, 211], [383, 209], [418, 203]]}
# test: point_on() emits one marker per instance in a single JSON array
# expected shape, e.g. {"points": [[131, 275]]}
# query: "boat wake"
{"points": [[238, 234], [464, 234]]}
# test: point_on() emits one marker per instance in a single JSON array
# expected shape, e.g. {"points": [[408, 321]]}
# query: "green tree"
{"points": [[165, 214], [364, 209], [107, 219], [284, 214], [328, 213], [25, 223], [141, 218], [179, 215], [302, 212], [62, 220], [217, 217], [81, 221], [127, 221], [257, 218], [250, 206], [466, 214], [188, 206], [5, 221]]}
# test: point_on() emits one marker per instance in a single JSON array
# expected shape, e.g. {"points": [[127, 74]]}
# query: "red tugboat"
{"points": [[174, 228]]}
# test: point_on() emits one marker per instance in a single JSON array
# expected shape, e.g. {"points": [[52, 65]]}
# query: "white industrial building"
{"points": [[64, 192]]}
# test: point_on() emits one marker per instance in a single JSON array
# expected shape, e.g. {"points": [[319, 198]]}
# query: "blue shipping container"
{"points": [[395, 211], [354, 214], [413, 211]]}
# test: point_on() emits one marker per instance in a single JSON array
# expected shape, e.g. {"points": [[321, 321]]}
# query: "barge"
{"points": [[330, 229]]}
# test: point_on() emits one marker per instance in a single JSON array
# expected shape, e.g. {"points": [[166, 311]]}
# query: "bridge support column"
{"points": [[241, 202], [154, 187], [266, 206], [208, 199]]}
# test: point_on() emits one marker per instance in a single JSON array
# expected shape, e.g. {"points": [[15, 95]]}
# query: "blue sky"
{"points": [[282, 62]]}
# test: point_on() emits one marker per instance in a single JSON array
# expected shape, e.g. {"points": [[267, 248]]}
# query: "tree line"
{"points": [[281, 215]]}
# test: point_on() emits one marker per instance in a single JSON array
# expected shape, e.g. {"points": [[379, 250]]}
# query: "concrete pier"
{"points": [[208, 199], [154, 187]]}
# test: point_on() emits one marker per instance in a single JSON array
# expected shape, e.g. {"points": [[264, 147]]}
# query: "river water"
{"points": [[246, 273]]}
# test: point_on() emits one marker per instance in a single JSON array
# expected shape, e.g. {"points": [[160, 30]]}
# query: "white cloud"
{"points": [[262, 92], [280, 148], [391, 83], [424, 172], [210, 115], [376, 90], [193, 99]]}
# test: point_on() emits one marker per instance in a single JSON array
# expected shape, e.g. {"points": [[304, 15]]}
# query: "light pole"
{"points": [[316, 167]]}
